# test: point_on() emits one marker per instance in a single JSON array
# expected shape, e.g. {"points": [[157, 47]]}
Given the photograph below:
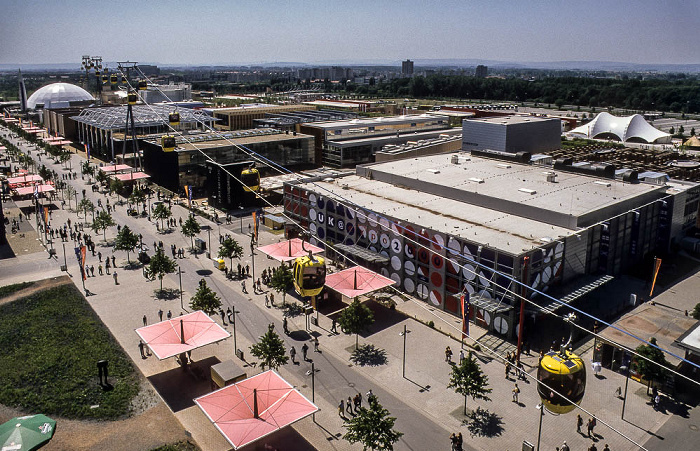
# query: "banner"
{"points": [[188, 193], [657, 266], [87, 150], [46, 216], [464, 302], [255, 225], [83, 250]]}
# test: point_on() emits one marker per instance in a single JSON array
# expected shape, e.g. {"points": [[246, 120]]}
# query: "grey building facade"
{"points": [[511, 134]]}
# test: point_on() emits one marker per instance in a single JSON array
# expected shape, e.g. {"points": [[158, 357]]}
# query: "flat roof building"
{"points": [[241, 117], [497, 220], [512, 134]]}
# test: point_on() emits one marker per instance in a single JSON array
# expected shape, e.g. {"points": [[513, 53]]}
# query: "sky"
{"points": [[199, 32]]}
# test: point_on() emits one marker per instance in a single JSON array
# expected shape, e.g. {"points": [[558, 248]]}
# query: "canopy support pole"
{"points": [[255, 403]]}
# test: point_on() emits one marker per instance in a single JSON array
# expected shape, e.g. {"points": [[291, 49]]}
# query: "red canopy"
{"points": [[166, 338], [132, 176], [23, 191], [357, 281], [27, 178], [115, 168], [289, 250], [255, 407]]}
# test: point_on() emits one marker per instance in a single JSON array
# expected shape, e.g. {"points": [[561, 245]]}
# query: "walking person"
{"points": [[284, 325], [143, 356], [564, 447], [114, 274], [448, 355], [316, 344], [341, 407], [357, 401], [516, 392], [589, 426], [267, 300], [293, 354], [579, 423], [145, 320], [304, 351], [160, 314], [107, 265], [243, 287], [507, 370], [348, 405], [170, 314], [333, 326], [99, 269]]}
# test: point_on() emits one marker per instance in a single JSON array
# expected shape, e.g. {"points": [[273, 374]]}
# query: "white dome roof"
{"points": [[57, 95], [626, 128]]}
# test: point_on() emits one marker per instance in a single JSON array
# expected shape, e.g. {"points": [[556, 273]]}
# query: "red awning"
{"points": [[289, 250], [255, 407], [23, 191], [28, 178], [181, 334], [132, 176], [357, 281], [115, 168]]}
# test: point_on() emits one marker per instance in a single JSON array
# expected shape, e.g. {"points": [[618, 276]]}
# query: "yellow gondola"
{"points": [[97, 72], [123, 79], [563, 372], [143, 85], [132, 97], [113, 79], [174, 119], [251, 179], [167, 142], [105, 78], [309, 275]]}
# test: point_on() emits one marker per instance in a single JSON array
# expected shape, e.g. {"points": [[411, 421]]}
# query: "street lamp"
{"points": [[232, 320], [627, 380], [179, 275], [252, 257], [539, 407], [312, 373], [403, 334]]}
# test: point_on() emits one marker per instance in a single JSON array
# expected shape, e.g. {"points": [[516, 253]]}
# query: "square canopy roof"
{"points": [[131, 176], [289, 250], [115, 168], [255, 407], [357, 281], [181, 334]]}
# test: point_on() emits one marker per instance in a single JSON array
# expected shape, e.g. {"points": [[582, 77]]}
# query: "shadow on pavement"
{"points": [[178, 387]]}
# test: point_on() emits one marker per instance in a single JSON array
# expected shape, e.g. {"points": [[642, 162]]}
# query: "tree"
{"points": [[205, 299], [653, 369], [86, 205], [467, 379], [159, 266], [372, 427], [161, 212], [137, 197], [270, 350], [126, 240], [696, 312], [692, 131], [230, 249], [101, 222], [116, 186], [282, 280], [190, 228], [70, 194], [355, 318], [101, 177]]}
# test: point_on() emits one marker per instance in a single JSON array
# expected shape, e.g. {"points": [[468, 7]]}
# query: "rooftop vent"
{"points": [[503, 166], [475, 179], [607, 184], [527, 191], [433, 171], [454, 159]]}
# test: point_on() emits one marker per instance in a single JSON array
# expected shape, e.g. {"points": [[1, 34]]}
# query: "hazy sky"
{"points": [[230, 31]]}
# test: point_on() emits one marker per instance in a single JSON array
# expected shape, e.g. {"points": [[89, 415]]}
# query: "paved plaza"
{"points": [[427, 411]]}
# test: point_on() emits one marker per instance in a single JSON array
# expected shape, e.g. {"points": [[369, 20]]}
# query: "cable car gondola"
{"points": [[105, 78], [251, 179], [143, 85], [113, 79], [132, 97], [309, 275], [561, 378], [167, 142], [123, 79], [174, 119], [97, 73]]}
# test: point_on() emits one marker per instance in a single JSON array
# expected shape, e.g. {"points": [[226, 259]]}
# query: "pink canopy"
{"points": [[115, 168], [357, 281], [10, 119], [289, 250], [131, 176], [255, 407], [62, 142], [27, 178], [23, 191], [173, 337], [3, 148]]}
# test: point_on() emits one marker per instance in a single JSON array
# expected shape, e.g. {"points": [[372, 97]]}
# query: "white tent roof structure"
{"points": [[621, 128], [58, 95]]}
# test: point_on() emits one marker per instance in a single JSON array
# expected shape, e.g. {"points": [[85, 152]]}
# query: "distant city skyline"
{"points": [[315, 32]]}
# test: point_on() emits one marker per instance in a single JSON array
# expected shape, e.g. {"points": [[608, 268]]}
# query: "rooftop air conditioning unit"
{"points": [[454, 159], [551, 177]]}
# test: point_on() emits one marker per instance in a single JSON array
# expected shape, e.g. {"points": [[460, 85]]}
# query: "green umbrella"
{"points": [[26, 433]]}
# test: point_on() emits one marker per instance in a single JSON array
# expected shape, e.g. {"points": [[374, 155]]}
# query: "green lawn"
{"points": [[9, 289], [51, 342]]}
